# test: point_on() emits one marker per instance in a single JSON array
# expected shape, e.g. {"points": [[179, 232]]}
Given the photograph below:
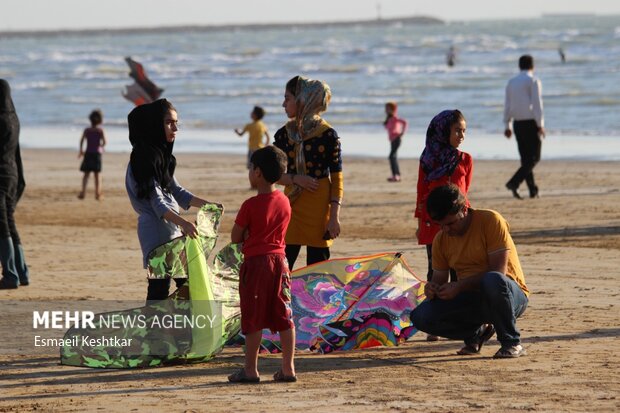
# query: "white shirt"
{"points": [[524, 99]]}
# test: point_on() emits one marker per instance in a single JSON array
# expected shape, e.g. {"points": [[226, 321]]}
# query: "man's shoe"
{"points": [[6, 285], [510, 352], [515, 193]]}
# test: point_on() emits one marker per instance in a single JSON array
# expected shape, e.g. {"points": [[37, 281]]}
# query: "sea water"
{"points": [[215, 77]]}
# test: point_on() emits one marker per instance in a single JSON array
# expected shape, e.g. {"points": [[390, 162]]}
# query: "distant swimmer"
{"points": [[562, 55], [451, 56]]}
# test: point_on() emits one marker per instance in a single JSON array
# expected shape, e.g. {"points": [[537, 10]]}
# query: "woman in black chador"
{"points": [[14, 268]]}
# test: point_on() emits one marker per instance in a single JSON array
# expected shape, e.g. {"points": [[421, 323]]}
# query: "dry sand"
{"points": [[568, 242]]}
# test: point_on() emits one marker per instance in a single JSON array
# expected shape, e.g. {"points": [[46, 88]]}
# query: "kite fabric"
{"points": [[210, 292], [340, 304], [143, 90], [352, 303]]}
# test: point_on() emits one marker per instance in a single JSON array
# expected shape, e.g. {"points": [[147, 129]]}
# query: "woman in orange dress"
{"points": [[313, 181]]}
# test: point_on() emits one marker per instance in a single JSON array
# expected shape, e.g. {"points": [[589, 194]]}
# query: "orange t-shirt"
{"points": [[468, 254]]}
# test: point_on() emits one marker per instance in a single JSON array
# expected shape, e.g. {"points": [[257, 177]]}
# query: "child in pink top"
{"points": [[396, 128]]}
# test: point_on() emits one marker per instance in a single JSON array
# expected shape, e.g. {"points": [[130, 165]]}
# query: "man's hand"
{"points": [[507, 133], [449, 290], [430, 290], [542, 133]]}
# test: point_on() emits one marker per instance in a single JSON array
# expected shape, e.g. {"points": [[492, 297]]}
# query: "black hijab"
{"points": [[151, 156], [10, 157]]}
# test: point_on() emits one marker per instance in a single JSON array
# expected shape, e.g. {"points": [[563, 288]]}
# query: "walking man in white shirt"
{"points": [[524, 108]]}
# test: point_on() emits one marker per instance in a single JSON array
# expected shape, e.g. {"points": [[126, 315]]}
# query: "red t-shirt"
{"points": [[266, 217]]}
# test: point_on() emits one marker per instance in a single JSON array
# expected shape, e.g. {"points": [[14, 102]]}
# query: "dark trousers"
{"points": [[314, 254], [500, 301], [429, 274], [530, 145], [395, 144], [7, 209], [159, 288], [14, 268]]}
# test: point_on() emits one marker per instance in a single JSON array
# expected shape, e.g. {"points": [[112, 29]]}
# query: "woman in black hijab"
{"points": [[12, 184], [153, 191]]}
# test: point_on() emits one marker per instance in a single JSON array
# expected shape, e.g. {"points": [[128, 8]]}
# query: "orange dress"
{"points": [[310, 212]]}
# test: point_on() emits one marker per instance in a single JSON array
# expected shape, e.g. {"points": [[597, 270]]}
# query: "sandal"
{"points": [[281, 377], [474, 348], [510, 352], [468, 350], [240, 377]]}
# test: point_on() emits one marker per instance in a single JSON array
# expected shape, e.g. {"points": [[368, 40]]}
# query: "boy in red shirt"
{"points": [[264, 279]]}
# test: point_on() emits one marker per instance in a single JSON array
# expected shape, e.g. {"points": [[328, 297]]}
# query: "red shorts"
{"points": [[265, 293]]}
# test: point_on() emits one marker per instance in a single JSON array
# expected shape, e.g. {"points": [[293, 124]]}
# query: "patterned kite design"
{"points": [[211, 293], [352, 303]]}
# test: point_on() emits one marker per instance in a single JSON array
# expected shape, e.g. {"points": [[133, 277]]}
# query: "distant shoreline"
{"points": [[420, 20]]}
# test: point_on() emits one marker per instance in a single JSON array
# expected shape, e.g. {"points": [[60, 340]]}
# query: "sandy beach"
{"points": [[568, 243]]}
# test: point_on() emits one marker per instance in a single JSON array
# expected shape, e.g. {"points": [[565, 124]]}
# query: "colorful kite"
{"points": [[141, 337], [352, 303], [341, 304], [143, 90]]}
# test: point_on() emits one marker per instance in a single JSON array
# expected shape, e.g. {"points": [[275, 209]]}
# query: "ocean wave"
{"points": [[375, 101], [36, 85], [254, 92], [216, 77], [349, 68], [605, 101], [91, 100]]}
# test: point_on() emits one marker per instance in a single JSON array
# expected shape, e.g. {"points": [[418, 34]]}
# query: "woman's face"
{"points": [[171, 125], [389, 110], [457, 133], [289, 105]]}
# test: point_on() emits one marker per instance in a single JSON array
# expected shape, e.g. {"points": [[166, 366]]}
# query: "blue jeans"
{"points": [[500, 302]]}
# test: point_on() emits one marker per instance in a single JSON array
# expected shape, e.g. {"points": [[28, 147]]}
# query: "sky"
{"points": [[91, 14]]}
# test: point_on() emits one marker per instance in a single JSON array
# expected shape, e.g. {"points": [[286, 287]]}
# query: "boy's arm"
{"points": [[238, 234], [103, 139], [239, 132], [267, 138]]}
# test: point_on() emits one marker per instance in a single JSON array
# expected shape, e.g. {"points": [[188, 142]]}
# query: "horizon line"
{"points": [[423, 20]]}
